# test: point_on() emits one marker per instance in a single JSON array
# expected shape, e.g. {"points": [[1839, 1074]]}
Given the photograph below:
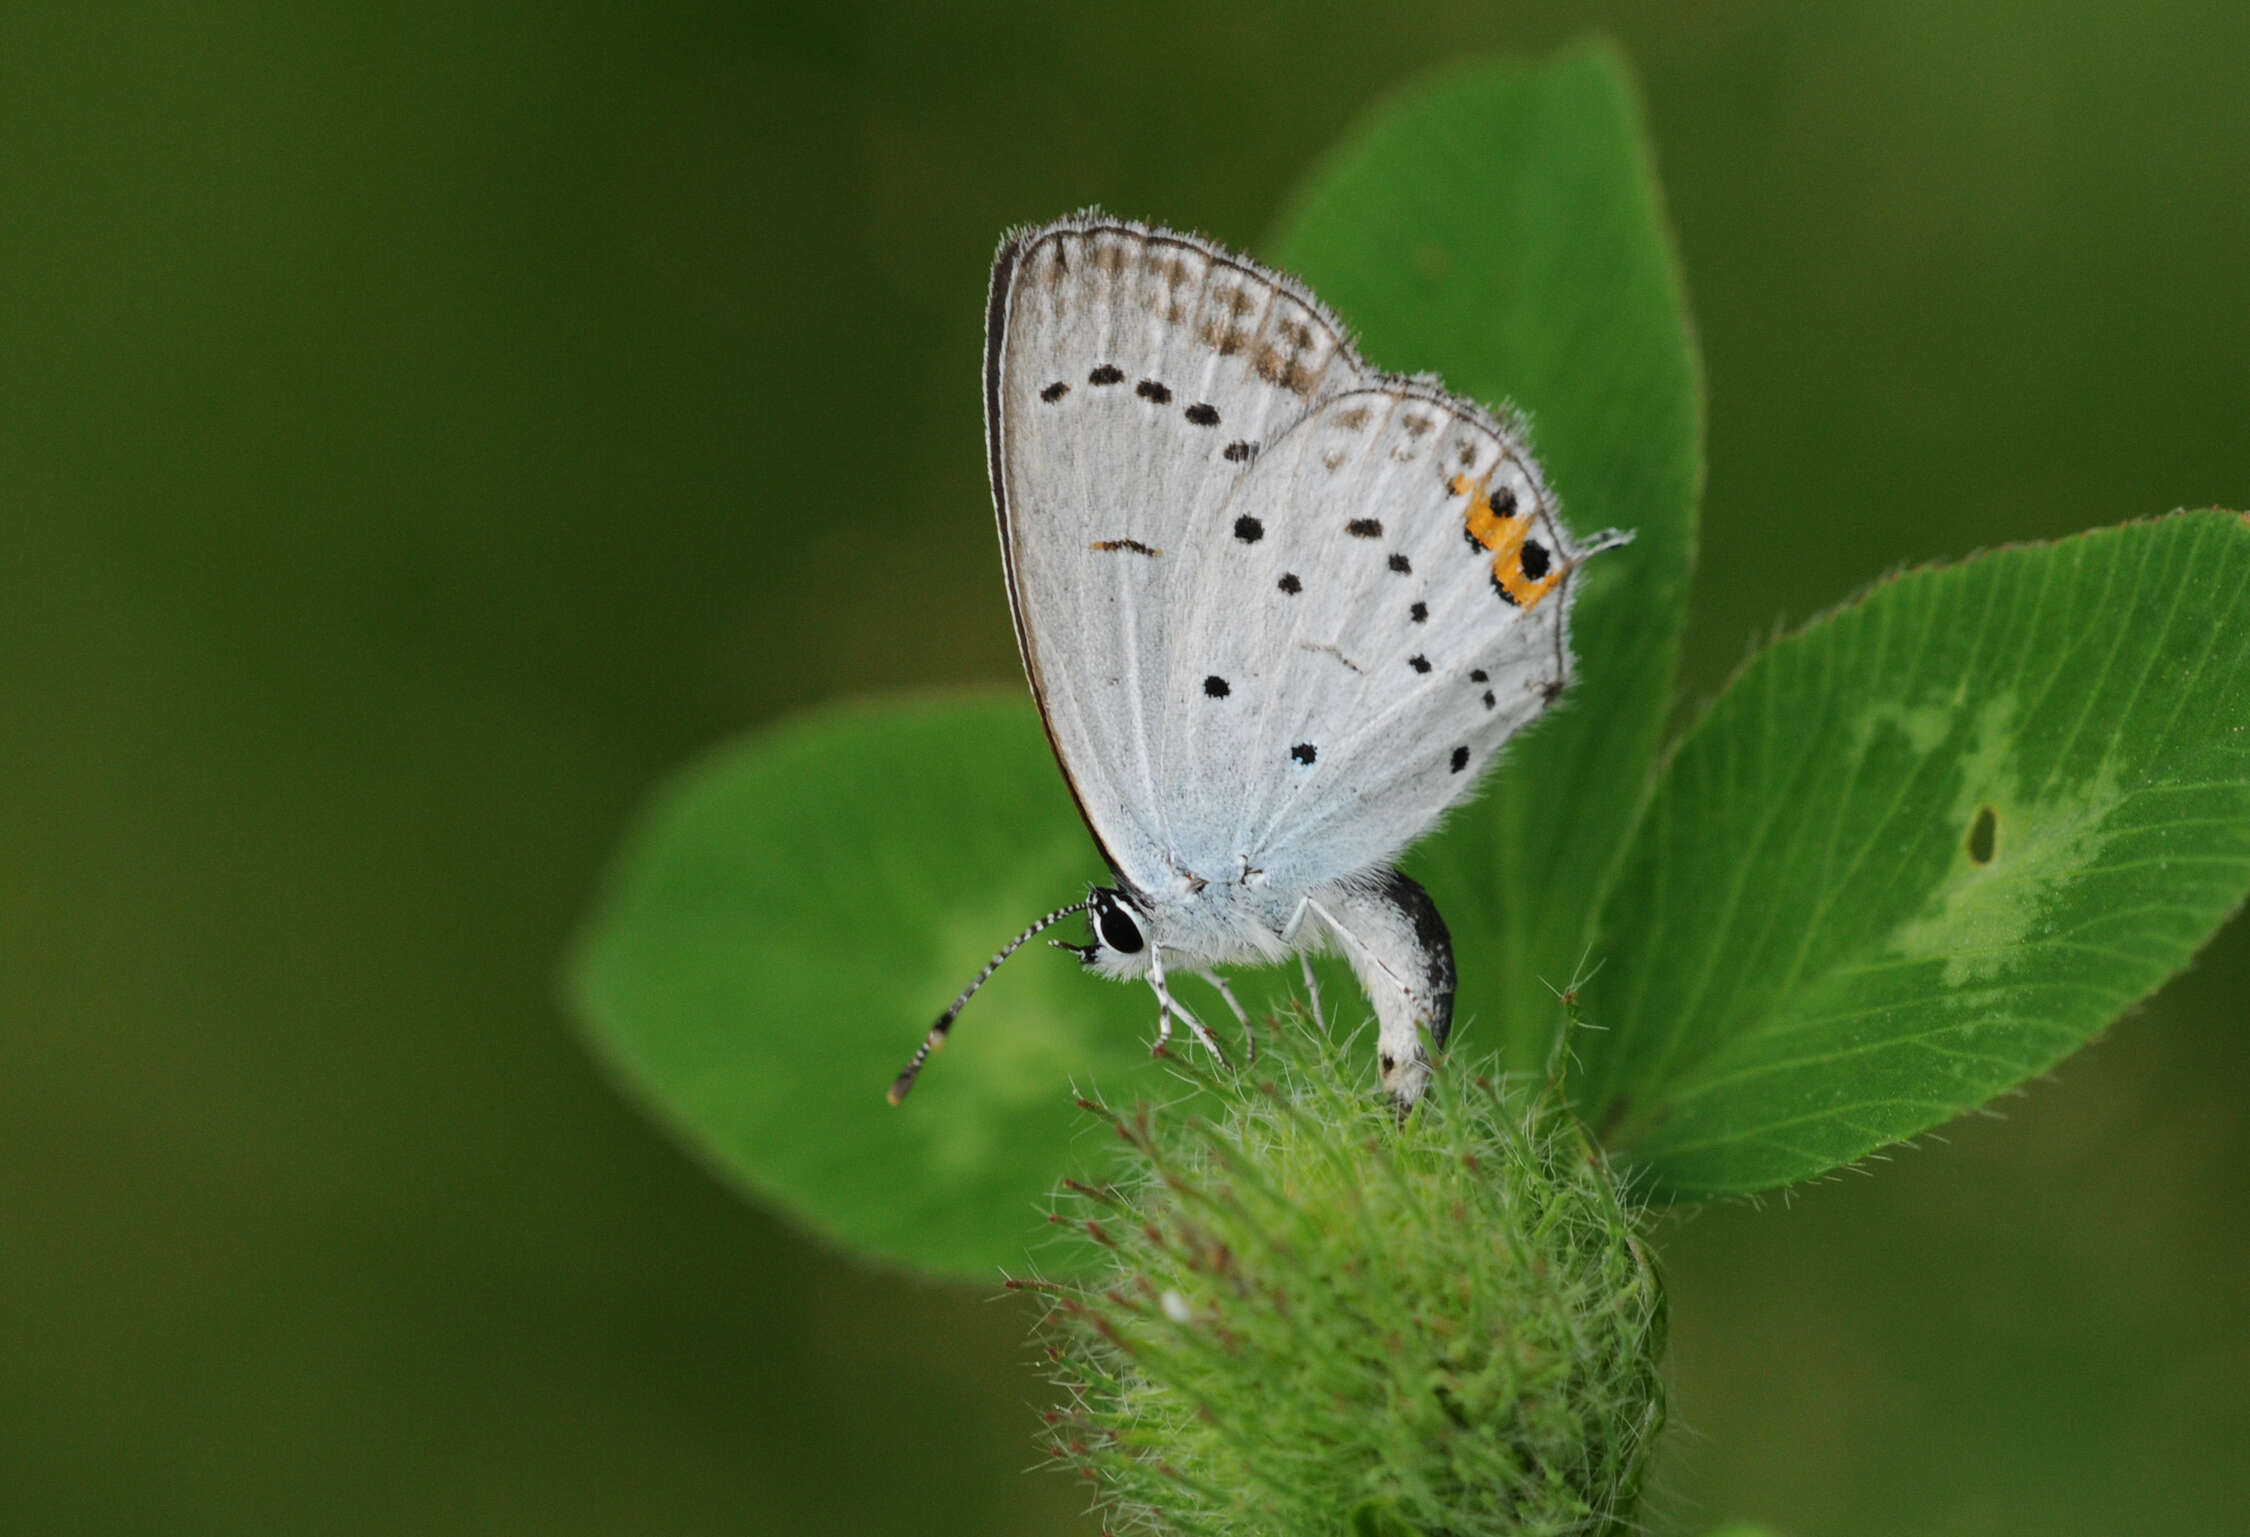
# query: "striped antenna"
{"points": [[936, 1037]]}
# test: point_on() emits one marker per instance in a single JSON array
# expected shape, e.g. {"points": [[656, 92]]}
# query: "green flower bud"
{"points": [[1307, 1317]]}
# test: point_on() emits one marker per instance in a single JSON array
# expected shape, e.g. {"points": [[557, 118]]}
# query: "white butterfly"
{"points": [[1280, 611]]}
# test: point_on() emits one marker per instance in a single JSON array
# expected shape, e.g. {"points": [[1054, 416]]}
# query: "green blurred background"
{"points": [[423, 428]]}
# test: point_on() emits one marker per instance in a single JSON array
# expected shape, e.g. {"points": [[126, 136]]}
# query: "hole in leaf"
{"points": [[1984, 835]]}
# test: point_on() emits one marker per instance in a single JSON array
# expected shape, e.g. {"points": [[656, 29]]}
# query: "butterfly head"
{"points": [[1119, 923]]}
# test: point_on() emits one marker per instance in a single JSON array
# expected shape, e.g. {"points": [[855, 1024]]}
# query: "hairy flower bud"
{"points": [[1308, 1317]]}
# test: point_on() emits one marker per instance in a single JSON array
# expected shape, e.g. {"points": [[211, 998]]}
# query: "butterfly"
{"points": [[1279, 610]]}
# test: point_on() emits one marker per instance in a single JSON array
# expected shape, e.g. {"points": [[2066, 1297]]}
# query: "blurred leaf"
{"points": [[1501, 226], [1921, 850], [790, 917]]}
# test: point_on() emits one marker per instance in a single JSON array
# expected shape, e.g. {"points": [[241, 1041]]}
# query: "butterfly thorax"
{"points": [[1194, 923]]}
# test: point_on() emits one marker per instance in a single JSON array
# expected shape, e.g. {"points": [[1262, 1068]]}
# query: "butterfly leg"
{"points": [[1167, 1006], [1304, 959], [1201, 1031], [1249, 1035], [1227, 993]]}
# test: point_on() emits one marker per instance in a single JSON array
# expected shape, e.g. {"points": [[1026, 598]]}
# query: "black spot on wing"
{"points": [[1054, 392], [1419, 613], [1289, 583], [1419, 663], [1304, 753], [1108, 373], [1401, 565], [1203, 415], [1150, 390], [1534, 560], [1215, 687], [1365, 528], [1460, 759], [1241, 453], [1248, 529]]}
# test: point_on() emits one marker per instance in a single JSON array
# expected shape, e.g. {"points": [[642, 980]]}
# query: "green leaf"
{"points": [[1501, 226], [1922, 850], [786, 923]]}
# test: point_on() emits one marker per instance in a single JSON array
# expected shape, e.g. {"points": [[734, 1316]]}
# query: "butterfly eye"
{"points": [[1114, 925]]}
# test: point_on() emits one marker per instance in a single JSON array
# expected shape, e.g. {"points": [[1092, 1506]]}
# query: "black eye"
{"points": [[1114, 926]]}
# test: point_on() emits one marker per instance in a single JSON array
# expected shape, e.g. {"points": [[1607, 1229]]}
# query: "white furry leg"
{"points": [[1227, 993], [1167, 1006], [1249, 1033]]}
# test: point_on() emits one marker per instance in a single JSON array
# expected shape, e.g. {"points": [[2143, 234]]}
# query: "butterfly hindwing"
{"points": [[1133, 377], [1361, 594]]}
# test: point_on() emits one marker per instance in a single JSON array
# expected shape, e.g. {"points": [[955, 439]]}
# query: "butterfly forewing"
{"points": [[1133, 378], [1373, 662]]}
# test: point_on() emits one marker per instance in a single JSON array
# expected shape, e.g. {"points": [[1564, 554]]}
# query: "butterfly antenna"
{"points": [[936, 1037]]}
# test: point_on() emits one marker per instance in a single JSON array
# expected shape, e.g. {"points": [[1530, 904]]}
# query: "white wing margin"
{"points": [[1133, 377]]}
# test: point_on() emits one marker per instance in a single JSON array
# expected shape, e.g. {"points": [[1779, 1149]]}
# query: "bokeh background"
{"points": [[421, 428]]}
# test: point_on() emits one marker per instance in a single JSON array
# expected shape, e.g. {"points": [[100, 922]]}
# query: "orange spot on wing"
{"points": [[1490, 529], [1507, 568], [1527, 593], [1487, 527], [1503, 535]]}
